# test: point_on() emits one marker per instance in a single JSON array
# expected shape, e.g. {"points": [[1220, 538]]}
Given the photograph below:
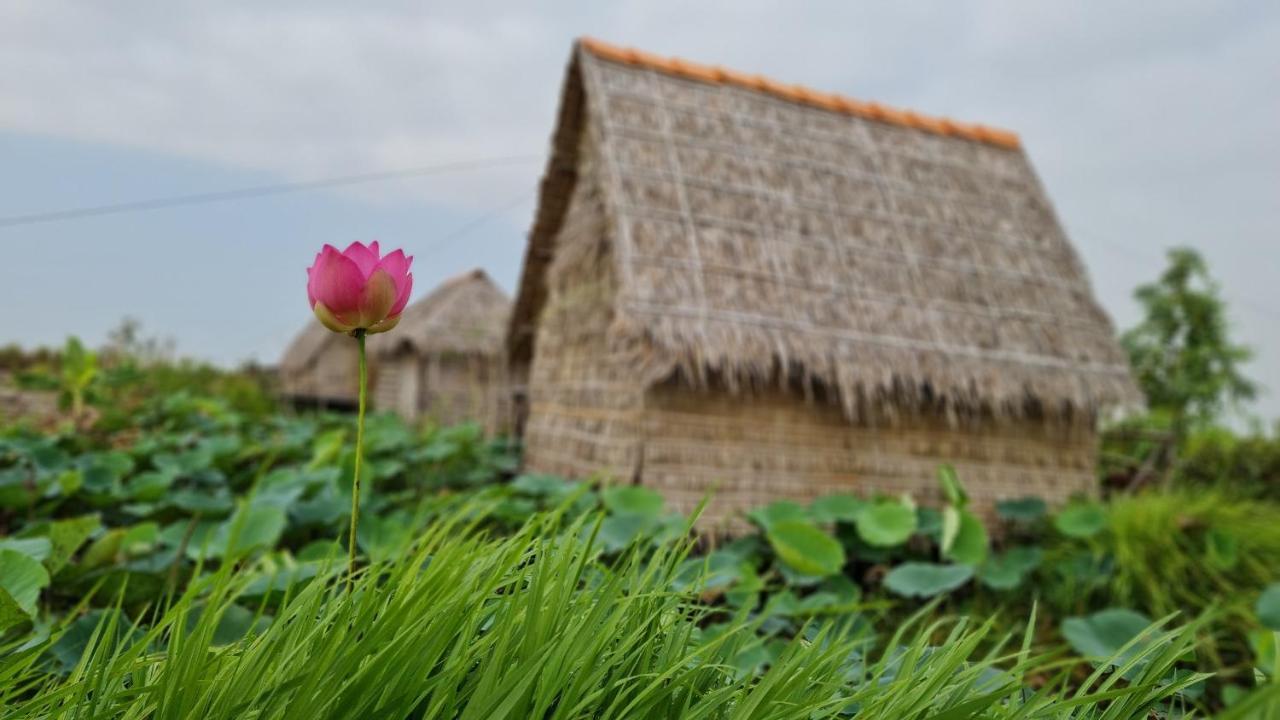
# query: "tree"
{"points": [[1181, 353], [126, 344]]}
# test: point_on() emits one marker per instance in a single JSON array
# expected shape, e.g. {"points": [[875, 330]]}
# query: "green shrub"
{"points": [[1139, 451], [1243, 464], [1188, 549], [1185, 551]]}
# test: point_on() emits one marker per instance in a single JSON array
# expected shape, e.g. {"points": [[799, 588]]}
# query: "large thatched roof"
{"points": [[465, 315], [764, 230]]}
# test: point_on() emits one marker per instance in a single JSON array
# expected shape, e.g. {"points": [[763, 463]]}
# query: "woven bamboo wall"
{"points": [[385, 385], [444, 389], [583, 403], [393, 385], [771, 446], [464, 388]]}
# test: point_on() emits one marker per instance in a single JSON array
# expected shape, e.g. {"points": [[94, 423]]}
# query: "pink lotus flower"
{"points": [[358, 289]]}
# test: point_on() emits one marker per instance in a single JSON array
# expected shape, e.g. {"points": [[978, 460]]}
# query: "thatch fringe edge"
{"points": [[869, 381]]}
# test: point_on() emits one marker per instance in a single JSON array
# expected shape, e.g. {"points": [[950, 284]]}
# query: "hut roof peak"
{"points": [[465, 313], [716, 75]]}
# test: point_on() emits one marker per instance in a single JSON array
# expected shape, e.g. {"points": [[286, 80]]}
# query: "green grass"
{"points": [[1187, 549], [535, 625], [460, 626]]}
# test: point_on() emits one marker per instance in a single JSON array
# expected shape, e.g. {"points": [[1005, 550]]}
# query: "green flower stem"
{"points": [[355, 480]]}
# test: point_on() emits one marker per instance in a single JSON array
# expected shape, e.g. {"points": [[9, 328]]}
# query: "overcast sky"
{"points": [[1152, 124]]}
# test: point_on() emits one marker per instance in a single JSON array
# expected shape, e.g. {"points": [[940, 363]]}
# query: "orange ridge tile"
{"points": [[874, 111], [695, 71], [715, 75]]}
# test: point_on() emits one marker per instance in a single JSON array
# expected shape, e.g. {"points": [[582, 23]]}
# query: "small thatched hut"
{"points": [[445, 359], [320, 369], [782, 293]]}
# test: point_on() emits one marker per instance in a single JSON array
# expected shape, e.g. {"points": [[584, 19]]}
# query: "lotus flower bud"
{"points": [[358, 289]]}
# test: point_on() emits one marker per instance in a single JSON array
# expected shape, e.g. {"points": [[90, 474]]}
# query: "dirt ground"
{"points": [[39, 407]]}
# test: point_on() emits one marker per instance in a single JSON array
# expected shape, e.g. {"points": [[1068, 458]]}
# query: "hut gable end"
{"points": [[762, 230]]}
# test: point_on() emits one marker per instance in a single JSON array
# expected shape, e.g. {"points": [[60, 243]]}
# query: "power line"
{"points": [[257, 191], [482, 219], [460, 231]]}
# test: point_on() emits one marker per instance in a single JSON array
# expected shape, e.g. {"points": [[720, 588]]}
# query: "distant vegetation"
{"points": [[115, 380], [1190, 370]]}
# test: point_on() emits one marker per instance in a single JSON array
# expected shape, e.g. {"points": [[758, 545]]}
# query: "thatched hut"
{"points": [[782, 293], [319, 369], [443, 362], [445, 359]]}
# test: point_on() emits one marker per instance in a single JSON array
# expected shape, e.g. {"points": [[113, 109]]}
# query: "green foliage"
{"points": [[127, 374], [1181, 352], [1208, 457], [18, 360], [124, 519], [457, 455], [1107, 633], [836, 508], [1010, 569], [917, 677], [458, 627], [542, 486], [252, 527], [635, 514], [887, 523], [917, 579], [1164, 556], [79, 370], [1268, 607], [1081, 520], [776, 512], [22, 577], [805, 548], [964, 537], [191, 480], [537, 625], [631, 500], [952, 491], [1024, 510], [1244, 464]]}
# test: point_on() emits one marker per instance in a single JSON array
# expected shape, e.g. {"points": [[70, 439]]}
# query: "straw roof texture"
{"points": [[306, 347], [764, 233], [465, 315]]}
